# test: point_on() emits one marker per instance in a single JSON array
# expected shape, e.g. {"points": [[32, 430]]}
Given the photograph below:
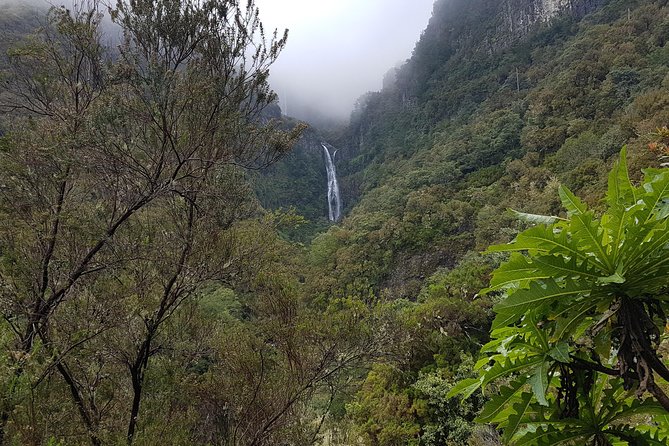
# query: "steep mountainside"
{"points": [[500, 103], [356, 333], [457, 29], [432, 156], [17, 20]]}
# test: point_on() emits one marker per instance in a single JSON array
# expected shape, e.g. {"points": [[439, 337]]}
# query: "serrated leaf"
{"points": [[621, 191], [539, 383], [517, 268], [520, 301], [568, 320], [551, 436], [535, 218], [500, 401], [465, 388], [636, 407], [656, 191], [638, 437], [571, 202], [643, 246], [591, 236], [558, 266], [518, 417], [503, 319], [544, 239], [510, 366], [560, 353]]}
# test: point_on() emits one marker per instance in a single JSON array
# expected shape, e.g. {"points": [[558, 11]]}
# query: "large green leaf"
{"points": [[656, 191], [636, 407], [510, 366], [518, 417], [560, 353], [517, 269], [465, 388], [504, 319], [520, 301], [592, 238], [621, 190], [646, 253], [559, 266], [544, 239], [535, 218], [568, 320], [539, 383], [500, 401], [638, 437], [571, 202], [551, 436]]}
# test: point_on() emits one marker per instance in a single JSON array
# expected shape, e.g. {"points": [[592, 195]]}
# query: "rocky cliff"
{"points": [[520, 16], [491, 25]]}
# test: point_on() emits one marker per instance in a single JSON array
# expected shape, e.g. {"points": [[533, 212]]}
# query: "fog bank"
{"points": [[339, 49]]}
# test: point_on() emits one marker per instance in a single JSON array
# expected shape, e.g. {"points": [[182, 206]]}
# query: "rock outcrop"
{"points": [[521, 16]]}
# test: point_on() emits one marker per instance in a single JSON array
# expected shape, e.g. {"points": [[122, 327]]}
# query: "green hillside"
{"points": [[170, 279], [17, 20], [436, 161]]}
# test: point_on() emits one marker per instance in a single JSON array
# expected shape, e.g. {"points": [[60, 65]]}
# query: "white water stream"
{"points": [[334, 199]]}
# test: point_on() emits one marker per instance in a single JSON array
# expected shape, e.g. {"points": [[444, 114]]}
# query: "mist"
{"points": [[338, 50]]}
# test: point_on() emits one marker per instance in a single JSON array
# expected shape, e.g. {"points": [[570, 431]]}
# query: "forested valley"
{"points": [[499, 274]]}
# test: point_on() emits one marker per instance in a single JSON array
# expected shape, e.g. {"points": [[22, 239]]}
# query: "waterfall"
{"points": [[334, 199]]}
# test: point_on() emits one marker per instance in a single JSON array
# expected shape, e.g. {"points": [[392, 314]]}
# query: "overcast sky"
{"points": [[339, 49]]}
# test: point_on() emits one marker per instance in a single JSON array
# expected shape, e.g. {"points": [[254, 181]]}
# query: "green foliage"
{"points": [[385, 414], [298, 181], [580, 320], [477, 123], [17, 19], [433, 165], [435, 337], [446, 420], [436, 159]]}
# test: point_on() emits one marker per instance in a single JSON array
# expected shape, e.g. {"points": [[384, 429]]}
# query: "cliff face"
{"points": [[490, 25], [520, 16], [461, 28]]}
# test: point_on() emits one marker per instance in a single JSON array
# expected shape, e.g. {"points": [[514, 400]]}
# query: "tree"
{"points": [[114, 172], [576, 336]]}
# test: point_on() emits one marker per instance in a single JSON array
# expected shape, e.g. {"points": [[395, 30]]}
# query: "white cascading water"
{"points": [[334, 200]]}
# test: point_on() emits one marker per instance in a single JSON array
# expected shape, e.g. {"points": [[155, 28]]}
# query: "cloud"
{"points": [[338, 50]]}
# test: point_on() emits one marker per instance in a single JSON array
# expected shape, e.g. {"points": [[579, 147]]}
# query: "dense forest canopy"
{"points": [[168, 273]]}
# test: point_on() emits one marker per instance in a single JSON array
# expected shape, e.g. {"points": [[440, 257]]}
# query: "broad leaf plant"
{"points": [[575, 350]]}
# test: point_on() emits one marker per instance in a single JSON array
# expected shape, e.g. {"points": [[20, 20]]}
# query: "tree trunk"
{"points": [[136, 399], [4, 418], [137, 370]]}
